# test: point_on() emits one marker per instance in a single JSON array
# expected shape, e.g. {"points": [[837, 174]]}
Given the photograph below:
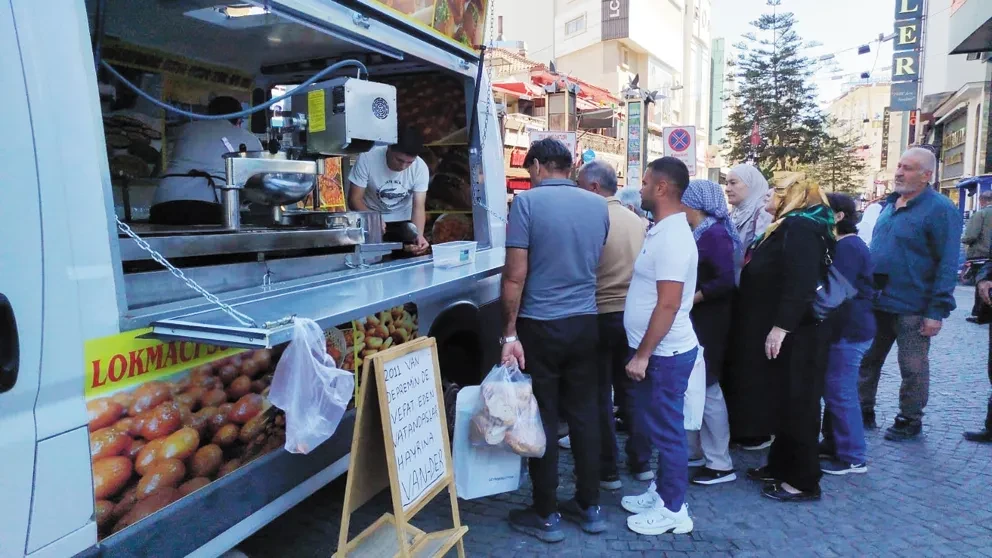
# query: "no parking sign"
{"points": [[680, 142]]}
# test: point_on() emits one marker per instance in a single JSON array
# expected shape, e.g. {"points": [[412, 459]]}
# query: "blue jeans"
{"points": [[658, 402], [843, 429]]}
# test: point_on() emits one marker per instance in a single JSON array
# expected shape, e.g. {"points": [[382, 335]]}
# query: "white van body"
{"points": [[61, 273]]}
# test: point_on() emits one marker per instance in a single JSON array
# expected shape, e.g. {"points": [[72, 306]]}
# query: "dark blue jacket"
{"points": [[915, 253]]}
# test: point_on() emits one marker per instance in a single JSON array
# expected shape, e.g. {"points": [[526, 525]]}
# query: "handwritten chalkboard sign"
{"points": [[404, 446]]}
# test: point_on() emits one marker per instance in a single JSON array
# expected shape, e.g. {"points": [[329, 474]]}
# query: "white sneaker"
{"points": [[565, 443], [643, 503], [661, 520]]}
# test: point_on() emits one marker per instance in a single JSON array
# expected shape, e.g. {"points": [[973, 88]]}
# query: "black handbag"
{"points": [[832, 291]]}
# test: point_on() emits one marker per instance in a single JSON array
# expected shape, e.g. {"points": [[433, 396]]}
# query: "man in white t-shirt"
{"points": [[664, 347], [393, 181]]}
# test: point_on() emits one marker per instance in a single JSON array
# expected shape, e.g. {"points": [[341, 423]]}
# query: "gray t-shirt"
{"points": [[563, 228], [201, 146]]}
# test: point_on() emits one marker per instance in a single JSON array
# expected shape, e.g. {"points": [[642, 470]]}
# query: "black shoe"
{"points": [[642, 474], [983, 436], [775, 491], [868, 418], [903, 430], [760, 474], [707, 476], [546, 529], [972, 320], [592, 519], [610, 482]]}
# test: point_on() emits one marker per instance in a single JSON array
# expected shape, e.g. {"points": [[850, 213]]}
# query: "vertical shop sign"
{"points": [[616, 19], [886, 119], [912, 125], [906, 55], [634, 146]]}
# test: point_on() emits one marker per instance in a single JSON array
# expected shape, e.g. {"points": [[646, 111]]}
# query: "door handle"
{"points": [[10, 351]]}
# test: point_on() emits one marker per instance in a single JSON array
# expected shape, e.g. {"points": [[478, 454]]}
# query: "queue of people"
{"points": [[602, 311]]}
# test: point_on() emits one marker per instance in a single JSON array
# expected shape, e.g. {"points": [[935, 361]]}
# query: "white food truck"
{"points": [[135, 357]]}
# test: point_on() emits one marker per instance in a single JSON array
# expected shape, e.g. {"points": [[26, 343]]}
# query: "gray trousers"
{"points": [[914, 364], [712, 442]]}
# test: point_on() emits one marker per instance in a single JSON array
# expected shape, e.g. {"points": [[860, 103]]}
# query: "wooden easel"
{"points": [[374, 464]]}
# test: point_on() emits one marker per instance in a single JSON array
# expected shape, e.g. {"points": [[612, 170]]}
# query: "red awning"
{"points": [[519, 89]]}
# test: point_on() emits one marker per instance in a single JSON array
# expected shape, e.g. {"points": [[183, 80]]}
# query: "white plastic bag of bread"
{"points": [[507, 414]]}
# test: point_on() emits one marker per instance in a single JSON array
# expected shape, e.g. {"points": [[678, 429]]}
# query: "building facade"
{"points": [[956, 93], [862, 114], [666, 43]]}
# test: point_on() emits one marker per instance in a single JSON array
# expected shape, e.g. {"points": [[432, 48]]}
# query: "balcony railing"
{"points": [[517, 120], [601, 143]]}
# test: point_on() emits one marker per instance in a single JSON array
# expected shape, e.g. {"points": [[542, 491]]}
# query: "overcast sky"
{"points": [[838, 24]]}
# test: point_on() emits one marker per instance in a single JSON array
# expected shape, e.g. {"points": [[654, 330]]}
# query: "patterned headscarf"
{"points": [[708, 197], [804, 199]]}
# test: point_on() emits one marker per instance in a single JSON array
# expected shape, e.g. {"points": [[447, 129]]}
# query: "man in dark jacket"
{"points": [[914, 247], [984, 287]]}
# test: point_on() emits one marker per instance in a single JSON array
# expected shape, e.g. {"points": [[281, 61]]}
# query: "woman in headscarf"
{"points": [[720, 254], [778, 349], [746, 189]]}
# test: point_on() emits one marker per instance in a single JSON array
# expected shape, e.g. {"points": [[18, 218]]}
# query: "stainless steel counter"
{"points": [[329, 300], [188, 242]]}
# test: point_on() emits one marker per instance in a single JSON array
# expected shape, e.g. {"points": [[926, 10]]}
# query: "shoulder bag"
{"points": [[832, 291]]}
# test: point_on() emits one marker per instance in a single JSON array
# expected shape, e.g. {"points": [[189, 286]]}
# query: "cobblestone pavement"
{"points": [[930, 497]]}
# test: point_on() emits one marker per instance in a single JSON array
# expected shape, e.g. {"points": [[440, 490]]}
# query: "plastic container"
{"points": [[453, 254]]}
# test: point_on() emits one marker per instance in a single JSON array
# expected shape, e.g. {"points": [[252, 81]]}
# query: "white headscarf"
{"points": [[757, 187], [750, 217]]}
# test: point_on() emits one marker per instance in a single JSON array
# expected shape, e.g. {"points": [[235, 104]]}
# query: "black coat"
{"points": [[778, 284]]}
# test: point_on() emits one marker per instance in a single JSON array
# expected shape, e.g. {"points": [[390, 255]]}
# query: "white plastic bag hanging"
{"points": [[508, 415], [310, 388], [695, 394]]}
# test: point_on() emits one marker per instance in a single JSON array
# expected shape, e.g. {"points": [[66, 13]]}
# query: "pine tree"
{"points": [[839, 168], [774, 88]]}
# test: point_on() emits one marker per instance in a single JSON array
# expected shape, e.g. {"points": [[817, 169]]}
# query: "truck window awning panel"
{"points": [[329, 302]]}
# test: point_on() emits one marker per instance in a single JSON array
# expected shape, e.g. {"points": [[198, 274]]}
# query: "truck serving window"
{"points": [[290, 220]]}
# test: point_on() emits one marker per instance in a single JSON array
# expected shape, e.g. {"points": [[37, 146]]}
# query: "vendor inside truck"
{"points": [[187, 194], [393, 180]]}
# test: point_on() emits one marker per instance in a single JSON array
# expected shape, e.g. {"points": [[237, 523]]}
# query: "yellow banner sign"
{"points": [[461, 21], [124, 360]]}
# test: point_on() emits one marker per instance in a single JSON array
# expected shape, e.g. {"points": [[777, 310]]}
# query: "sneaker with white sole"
{"points": [[643, 503], [707, 476], [661, 520], [565, 442], [835, 467]]}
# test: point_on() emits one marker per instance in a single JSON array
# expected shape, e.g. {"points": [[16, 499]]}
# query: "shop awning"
{"points": [[329, 300], [598, 118], [521, 89], [983, 182]]}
